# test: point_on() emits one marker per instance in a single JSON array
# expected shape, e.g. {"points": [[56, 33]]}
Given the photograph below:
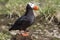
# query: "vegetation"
{"points": [[47, 9]]}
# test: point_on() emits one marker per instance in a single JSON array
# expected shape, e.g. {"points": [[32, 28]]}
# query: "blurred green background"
{"points": [[47, 9]]}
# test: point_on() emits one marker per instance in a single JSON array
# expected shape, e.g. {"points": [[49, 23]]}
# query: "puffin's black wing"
{"points": [[21, 24]]}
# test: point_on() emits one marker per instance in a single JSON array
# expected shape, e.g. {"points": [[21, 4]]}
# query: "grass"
{"points": [[5, 36], [47, 8]]}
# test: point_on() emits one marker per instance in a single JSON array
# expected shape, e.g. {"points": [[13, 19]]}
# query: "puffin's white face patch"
{"points": [[31, 4]]}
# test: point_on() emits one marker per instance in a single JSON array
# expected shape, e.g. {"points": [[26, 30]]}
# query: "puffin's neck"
{"points": [[29, 12]]}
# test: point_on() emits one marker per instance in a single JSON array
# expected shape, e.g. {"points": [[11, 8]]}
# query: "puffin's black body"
{"points": [[24, 21]]}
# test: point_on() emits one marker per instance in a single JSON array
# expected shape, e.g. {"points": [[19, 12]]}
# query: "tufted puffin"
{"points": [[26, 20]]}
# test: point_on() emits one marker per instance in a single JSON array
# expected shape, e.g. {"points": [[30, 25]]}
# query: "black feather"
{"points": [[24, 21]]}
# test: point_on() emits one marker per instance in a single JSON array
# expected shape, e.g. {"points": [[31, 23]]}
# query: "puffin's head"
{"points": [[32, 6]]}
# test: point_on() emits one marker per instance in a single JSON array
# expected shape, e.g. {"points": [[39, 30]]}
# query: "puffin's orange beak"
{"points": [[35, 8]]}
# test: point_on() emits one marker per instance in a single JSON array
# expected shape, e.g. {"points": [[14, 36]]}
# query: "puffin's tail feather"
{"points": [[10, 29]]}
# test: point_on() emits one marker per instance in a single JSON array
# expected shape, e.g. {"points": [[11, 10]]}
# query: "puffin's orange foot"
{"points": [[25, 34]]}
